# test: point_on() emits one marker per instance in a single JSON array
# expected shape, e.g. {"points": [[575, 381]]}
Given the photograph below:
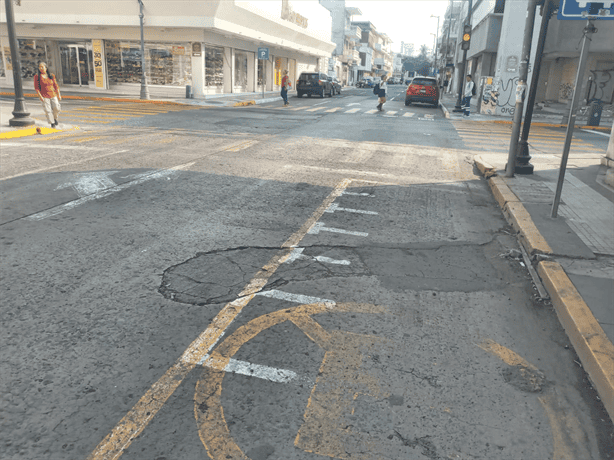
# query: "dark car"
{"points": [[423, 89], [314, 83], [336, 85]]}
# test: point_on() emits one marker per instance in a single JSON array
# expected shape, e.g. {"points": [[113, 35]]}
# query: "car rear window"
{"points": [[423, 82], [309, 77]]}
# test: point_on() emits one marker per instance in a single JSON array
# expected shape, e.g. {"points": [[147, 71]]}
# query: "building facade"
{"points": [[212, 45], [493, 59], [375, 51]]}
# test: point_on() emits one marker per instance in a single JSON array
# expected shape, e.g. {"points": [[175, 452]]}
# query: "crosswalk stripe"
{"points": [[300, 108], [334, 109], [409, 114], [391, 112], [370, 111], [352, 111], [315, 109], [71, 115], [85, 139]]}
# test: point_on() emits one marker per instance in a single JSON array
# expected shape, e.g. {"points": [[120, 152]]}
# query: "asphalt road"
{"points": [[275, 283]]}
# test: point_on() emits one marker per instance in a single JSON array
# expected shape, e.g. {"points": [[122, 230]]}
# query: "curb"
{"points": [[445, 111], [590, 342], [485, 168], [586, 335]]}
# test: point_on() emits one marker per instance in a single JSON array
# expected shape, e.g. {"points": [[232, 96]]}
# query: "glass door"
{"points": [[76, 65]]}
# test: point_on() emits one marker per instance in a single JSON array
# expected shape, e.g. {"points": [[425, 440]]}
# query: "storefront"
{"points": [[107, 57]]}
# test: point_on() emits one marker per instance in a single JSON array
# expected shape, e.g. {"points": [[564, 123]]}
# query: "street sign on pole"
{"points": [[579, 9], [263, 54]]}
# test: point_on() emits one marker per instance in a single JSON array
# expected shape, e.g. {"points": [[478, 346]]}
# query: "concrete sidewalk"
{"points": [[542, 116], [573, 253]]}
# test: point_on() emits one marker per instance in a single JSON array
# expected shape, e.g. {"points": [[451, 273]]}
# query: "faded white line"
{"points": [[296, 298], [320, 227], [297, 253], [595, 132], [358, 194], [95, 196], [89, 183], [272, 374], [328, 260], [335, 207]]}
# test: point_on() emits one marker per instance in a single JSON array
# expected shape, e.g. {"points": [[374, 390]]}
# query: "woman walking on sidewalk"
{"points": [[48, 92], [285, 85], [383, 86]]}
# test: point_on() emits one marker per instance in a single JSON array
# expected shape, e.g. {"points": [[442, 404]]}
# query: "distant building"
{"points": [[375, 51]]}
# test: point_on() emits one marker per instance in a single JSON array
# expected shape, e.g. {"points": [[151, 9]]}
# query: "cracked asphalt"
{"points": [[294, 286]]}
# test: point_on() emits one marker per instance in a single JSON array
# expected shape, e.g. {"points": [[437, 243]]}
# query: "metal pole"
{"points": [[589, 30], [20, 112], [437, 47], [461, 75], [522, 155], [144, 89], [448, 39], [522, 86]]}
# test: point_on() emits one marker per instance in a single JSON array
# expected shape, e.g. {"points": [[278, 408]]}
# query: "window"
{"points": [[214, 66], [31, 52]]}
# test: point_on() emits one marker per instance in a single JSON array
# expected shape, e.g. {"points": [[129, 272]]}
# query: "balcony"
{"points": [[379, 61], [350, 56], [377, 46], [353, 33]]}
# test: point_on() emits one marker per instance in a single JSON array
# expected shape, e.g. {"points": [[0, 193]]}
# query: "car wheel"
{"points": [[407, 102], [309, 95], [299, 94], [436, 104]]}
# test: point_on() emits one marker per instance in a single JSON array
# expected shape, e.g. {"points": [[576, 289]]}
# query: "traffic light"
{"points": [[466, 37]]}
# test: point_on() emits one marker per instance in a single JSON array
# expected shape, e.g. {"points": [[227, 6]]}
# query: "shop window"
{"points": [[214, 66], [165, 64], [240, 69], [31, 52]]}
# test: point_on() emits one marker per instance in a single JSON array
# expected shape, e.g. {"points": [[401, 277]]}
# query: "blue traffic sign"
{"points": [[581, 9], [263, 54]]}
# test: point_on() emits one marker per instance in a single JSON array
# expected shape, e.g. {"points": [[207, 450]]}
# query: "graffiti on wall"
{"points": [[565, 91], [601, 85]]}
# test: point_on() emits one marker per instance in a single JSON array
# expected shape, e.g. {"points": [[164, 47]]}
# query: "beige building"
{"points": [[210, 45]]}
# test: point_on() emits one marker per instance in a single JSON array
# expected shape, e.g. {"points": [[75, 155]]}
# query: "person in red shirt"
{"points": [[48, 92], [285, 86]]}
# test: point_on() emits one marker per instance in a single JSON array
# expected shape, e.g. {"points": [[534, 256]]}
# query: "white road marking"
{"points": [[89, 183], [391, 112], [24, 144], [352, 111], [103, 193], [297, 253], [271, 374], [296, 298], [328, 260], [409, 114], [319, 227], [371, 111], [595, 132], [335, 207], [315, 109], [320, 103], [358, 194], [334, 109], [353, 103]]}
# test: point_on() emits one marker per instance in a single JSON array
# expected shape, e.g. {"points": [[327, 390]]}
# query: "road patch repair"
{"points": [[588, 338]]}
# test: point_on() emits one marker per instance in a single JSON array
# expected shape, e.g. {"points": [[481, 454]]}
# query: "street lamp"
{"points": [[20, 112], [436, 40], [144, 89], [434, 53]]}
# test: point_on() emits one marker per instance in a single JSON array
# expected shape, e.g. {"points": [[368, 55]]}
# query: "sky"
{"points": [[403, 20]]}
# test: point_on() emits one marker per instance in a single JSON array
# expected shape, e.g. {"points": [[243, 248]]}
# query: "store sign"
{"points": [[197, 49], [290, 15], [178, 50], [512, 64], [263, 54], [98, 63]]}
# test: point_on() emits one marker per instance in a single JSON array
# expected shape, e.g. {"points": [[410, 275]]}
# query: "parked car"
{"points": [[366, 82], [314, 83], [336, 85], [423, 89]]}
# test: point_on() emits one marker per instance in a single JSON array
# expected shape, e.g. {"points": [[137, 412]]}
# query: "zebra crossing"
{"points": [[113, 113], [354, 111], [495, 138]]}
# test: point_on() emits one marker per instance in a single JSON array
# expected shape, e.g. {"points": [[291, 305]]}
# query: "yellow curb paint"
{"points": [[505, 354], [135, 421], [589, 340], [530, 237], [245, 103], [27, 132], [502, 193]]}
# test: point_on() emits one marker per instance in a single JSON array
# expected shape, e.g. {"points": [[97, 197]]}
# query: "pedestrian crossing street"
{"points": [[111, 113], [354, 110], [495, 138]]}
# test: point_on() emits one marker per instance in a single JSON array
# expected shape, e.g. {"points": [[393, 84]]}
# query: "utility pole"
{"points": [[451, 7], [589, 30], [522, 154], [461, 74], [20, 112], [436, 44], [522, 87], [144, 89]]}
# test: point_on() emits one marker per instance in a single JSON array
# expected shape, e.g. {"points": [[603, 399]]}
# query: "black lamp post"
{"points": [[20, 112]]}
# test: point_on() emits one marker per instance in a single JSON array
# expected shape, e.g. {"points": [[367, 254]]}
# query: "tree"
{"points": [[424, 51]]}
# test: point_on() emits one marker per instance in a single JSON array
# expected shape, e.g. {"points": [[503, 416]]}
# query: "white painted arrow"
{"points": [[89, 183]]}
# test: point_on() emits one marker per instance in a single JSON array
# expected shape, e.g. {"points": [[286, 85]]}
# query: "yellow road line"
{"points": [[135, 421], [334, 109], [315, 109], [352, 110], [300, 108], [85, 139]]}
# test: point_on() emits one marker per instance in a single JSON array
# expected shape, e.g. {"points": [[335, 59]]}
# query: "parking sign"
{"points": [[263, 54], [581, 9]]}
